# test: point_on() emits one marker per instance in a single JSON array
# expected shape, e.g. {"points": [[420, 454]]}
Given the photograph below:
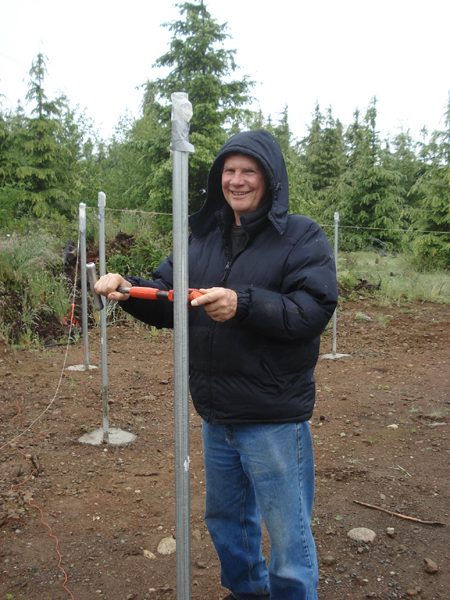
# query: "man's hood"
{"points": [[258, 144]]}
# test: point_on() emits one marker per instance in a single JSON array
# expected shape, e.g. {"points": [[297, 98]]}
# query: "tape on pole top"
{"points": [[181, 115], [82, 216]]}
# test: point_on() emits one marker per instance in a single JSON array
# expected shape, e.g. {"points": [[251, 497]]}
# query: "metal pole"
{"points": [[84, 306], [336, 238], [181, 115], [103, 333], [334, 355]]}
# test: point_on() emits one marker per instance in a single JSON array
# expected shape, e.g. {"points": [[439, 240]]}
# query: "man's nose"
{"points": [[237, 178]]}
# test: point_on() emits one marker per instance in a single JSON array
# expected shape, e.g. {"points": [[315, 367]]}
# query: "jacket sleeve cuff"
{"points": [[243, 305]]}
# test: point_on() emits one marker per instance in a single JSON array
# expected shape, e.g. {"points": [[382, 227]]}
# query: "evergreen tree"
{"points": [[11, 156], [403, 159], [324, 159], [43, 175], [370, 198], [48, 159], [432, 250], [294, 165], [199, 65]]}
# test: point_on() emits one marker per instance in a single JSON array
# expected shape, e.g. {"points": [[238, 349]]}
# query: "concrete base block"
{"points": [[116, 437], [335, 356]]}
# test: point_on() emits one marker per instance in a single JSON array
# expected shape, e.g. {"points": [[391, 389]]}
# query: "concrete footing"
{"points": [[116, 437], [335, 356]]}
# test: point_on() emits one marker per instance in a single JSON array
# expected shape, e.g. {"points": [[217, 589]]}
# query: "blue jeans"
{"points": [[262, 471]]}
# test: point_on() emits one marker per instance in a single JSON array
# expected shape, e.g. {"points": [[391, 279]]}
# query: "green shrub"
{"points": [[34, 293], [143, 256], [431, 252]]}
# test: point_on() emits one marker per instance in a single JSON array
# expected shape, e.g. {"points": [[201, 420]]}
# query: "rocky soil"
{"points": [[86, 521]]}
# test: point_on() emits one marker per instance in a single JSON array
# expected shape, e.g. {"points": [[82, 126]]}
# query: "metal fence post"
{"points": [[334, 355], [84, 306], [103, 332], [180, 146], [85, 366], [336, 249]]}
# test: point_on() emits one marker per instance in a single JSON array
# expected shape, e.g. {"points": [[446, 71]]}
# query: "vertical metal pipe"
{"points": [[103, 332], [181, 114], [84, 303], [336, 244]]}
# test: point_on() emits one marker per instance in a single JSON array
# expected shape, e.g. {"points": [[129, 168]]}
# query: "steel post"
{"points": [[181, 115], [103, 331], [84, 304], [336, 247]]}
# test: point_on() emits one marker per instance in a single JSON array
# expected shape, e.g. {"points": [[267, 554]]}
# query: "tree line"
{"points": [[392, 194]]}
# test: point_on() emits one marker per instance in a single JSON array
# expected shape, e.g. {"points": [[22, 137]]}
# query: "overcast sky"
{"points": [[337, 53]]}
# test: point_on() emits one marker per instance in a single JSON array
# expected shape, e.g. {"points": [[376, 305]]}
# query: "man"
{"points": [[269, 287]]}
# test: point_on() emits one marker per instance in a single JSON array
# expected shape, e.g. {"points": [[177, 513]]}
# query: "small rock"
{"points": [[362, 534], [148, 554], [393, 426], [167, 546], [430, 566], [390, 531], [200, 564], [328, 560], [413, 591]]}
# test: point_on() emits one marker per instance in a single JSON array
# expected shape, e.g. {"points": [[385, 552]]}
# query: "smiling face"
{"points": [[243, 184]]}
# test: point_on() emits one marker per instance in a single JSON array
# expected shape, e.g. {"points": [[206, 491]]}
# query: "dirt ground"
{"points": [[84, 522]]}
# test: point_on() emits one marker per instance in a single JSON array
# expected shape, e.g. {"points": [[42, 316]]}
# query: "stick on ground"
{"points": [[400, 515]]}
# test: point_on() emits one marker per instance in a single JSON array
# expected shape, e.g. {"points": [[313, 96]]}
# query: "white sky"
{"points": [[339, 53]]}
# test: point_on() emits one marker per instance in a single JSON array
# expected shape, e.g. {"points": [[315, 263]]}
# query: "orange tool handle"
{"points": [[145, 293], [193, 293], [148, 293]]}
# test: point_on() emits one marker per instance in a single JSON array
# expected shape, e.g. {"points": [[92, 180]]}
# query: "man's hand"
{"points": [[219, 303], [107, 286]]}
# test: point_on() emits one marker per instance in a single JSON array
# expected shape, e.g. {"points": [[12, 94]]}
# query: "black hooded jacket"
{"points": [[257, 367]]}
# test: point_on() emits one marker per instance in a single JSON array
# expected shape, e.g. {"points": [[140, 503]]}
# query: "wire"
{"points": [[17, 486], [410, 231], [398, 230], [137, 211]]}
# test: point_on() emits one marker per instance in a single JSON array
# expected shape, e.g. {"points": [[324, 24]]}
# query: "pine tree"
{"points": [[432, 250], [43, 172], [370, 195], [404, 160], [324, 160], [199, 65]]}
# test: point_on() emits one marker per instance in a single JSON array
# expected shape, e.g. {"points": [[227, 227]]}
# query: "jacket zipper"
{"points": [[223, 281], [226, 271]]}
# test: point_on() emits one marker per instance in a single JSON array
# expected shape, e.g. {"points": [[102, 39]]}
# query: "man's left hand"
{"points": [[219, 303]]}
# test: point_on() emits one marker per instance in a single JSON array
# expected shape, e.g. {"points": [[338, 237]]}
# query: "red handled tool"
{"points": [[148, 293], [145, 293]]}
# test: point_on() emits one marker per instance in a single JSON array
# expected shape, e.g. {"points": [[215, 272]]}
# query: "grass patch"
{"points": [[34, 292], [392, 279]]}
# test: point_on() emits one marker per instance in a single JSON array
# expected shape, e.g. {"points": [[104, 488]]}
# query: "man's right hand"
{"points": [[108, 284]]}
